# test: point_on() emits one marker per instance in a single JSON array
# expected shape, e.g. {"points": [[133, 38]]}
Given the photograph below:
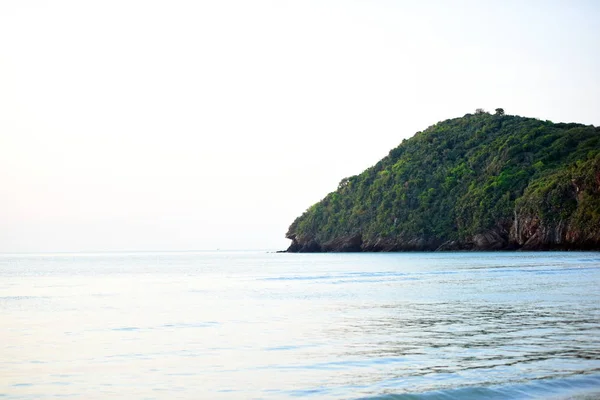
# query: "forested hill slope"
{"points": [[480, 182]]}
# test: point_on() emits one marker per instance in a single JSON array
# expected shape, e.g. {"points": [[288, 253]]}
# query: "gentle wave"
{"points": [[583, 387]]}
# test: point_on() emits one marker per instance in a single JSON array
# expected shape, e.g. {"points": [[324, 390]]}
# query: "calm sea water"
{"points": [[256, 325]]}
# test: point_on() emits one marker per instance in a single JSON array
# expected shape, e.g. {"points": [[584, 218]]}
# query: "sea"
{"points": [[266, 325]]}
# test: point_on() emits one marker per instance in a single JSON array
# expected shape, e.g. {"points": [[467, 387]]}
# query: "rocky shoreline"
{"points": [[525, 233]]}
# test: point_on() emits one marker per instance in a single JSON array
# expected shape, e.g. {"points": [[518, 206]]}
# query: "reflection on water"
{"points": [[259, 325]]}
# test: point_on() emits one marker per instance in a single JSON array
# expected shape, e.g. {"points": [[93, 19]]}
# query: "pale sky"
{"points": [[192, 125]]}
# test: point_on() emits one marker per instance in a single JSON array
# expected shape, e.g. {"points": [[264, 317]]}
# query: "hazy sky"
{"points": [[190, 125]]}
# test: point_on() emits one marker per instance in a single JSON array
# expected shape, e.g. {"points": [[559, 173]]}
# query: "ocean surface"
{"points": [[259, 325]]}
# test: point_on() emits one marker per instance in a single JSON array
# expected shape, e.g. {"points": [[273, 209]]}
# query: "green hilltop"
{"points": [[480, 182]]}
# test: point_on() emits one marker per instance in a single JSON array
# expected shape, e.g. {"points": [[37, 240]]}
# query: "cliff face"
{"points": [[527, 233], [571, 223], [531, 237], [481, 182]]}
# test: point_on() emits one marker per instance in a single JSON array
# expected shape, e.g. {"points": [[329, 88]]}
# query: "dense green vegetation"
{"points": [[466, 176]]}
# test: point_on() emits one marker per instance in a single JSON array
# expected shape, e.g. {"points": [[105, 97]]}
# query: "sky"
{"points": [[198, 125]]}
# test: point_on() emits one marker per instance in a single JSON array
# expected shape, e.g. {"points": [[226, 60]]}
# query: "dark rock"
{"points": [[345, 244]]}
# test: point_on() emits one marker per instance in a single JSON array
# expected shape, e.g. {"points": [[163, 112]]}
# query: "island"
{"points": [[484, 181]]}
